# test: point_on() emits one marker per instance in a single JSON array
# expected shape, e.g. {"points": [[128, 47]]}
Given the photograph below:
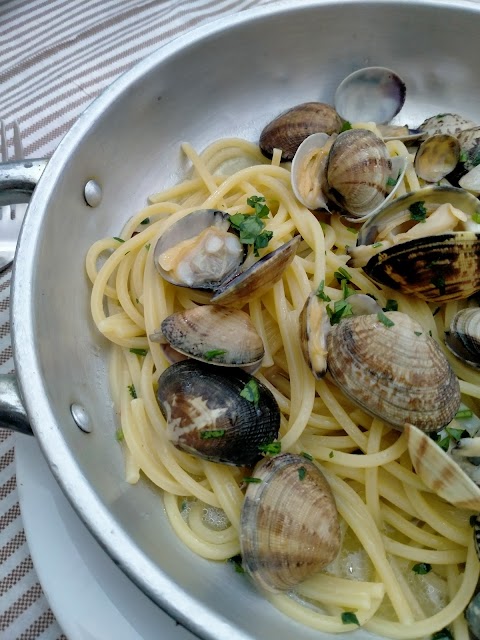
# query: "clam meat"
{"points": [[216, 334], [437, 156], [314, 327], [220, 414], [288, 130], [289, 525], [389, 365], [425, 243]]}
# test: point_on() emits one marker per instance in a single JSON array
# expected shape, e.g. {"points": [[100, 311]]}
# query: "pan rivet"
{"points": [[93, 193], [81, 417]]}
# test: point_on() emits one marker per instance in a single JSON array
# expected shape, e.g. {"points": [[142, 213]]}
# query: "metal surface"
{"points": [[226, 79], [12, 412]]}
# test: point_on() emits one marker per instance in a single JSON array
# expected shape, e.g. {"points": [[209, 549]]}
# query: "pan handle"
{"points": [[18, 180], [12, 412]]}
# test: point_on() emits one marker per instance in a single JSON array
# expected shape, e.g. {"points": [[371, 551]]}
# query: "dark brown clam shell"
{"points": [[288, 130], [208, 416], [437, 268]]}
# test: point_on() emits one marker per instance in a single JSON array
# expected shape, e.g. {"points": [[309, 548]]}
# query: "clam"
{"points": [[371, 94], [255, 281], [308, 170], [440, 472], [472, 614], [288, 130], [437, 156], [469, 140], [220, 414], [289, 526], [450, 123], [391, 367], [360, 173], [399, 132], [199, 251], [216, 334], [314, 327], [425, 243], [463, 337]]}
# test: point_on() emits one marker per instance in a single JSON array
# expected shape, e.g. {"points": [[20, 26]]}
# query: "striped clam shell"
{"points": [[463, 337], [397, 373], [289, 528], [357, 172]]}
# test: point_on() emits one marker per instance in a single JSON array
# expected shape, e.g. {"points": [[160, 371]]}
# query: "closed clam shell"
{"points": [[451, 123], [463, 337], [437, 156], [216, 334], [357, 172], [289, 528], [397, 373], [212, 412], [440, 472], [255, 281], [469, 140], [288, 130]]}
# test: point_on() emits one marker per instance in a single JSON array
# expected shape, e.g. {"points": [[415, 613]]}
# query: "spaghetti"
{"points": [[391, 523]]}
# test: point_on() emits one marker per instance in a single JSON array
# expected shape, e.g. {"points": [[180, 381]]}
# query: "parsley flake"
{"points": [[145, 221], [306, 455], [342, 274], [236, 561], [272, 448], [463, 157], [376, 245], [341, 309], [346, 126], [476, 217], [214, 353], [391, 305], [320, 292], [251, 392], [391, 182], [463, 413], [439, 282], [118, 239], [418, 211], [422, 568], [252, 480], [132, 391], [417, 333], [330, 455], [302, 472], [384, 319], [212, 433], [139, 352], [119, 435], [348, 617], [251, 226], [147, 246]]}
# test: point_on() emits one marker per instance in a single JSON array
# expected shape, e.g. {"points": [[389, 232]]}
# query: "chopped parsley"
{"points": [[391, 182], [348, 617], [251, 226], [330, 455], [346, 126], [147, 246], [476, 217], [118, 239], [119, 435], [417, 333], [251, 392], [145, 221], [342, 274], [272, 448], [306, 455], [464, 413], [463, 157], [346, 290], [352, 230], [391, 305], [447, 436], [212, 433], [213, 353], [439, 283], [252, 480], [377, 244], [236, 561], [320, 293], [132, 391], [422, 568], [384, 319], [418, 211], [444, 634], [302, 472], [341, 309], [139, 352]]}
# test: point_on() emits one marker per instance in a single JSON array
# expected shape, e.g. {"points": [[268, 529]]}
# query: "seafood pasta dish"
{"points": [[295, 336]]}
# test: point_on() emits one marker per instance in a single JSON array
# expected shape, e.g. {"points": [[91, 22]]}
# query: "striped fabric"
{"points": [[55, 57]]}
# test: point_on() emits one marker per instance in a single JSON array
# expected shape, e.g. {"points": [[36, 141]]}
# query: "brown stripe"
{"points": [[22, 604], [11, 10], [5, 304], [5, 434], [7, 488], [4, 285], [4, 329], [38, 627], [7, 459], [19, 572], [12, 546], [9, 516], [6, 355]]}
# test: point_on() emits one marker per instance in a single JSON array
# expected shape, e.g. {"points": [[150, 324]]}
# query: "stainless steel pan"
{"points": [[225, 79]]}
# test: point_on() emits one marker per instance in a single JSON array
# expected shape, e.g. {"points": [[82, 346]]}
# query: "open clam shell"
{"points": [[437, 156], [438, 265], [399, 132], [216, 334], [308, 170], [255, 281], [394, 370], [314, 327], [440, 472], [220, 414], [198, 251], [289, 527], [288, 130], [463, 337], [371, 94]]}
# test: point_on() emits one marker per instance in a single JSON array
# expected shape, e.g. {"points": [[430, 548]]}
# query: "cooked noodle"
{"points": [[390, 520]]}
